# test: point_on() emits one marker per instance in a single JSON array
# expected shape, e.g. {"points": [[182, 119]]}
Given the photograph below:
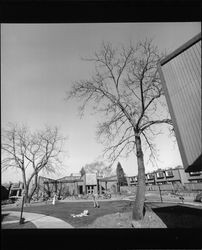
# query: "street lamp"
{"points": [[160, 192], [23, 200]]}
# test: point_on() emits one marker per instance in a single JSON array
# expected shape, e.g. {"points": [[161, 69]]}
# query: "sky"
{"points": [[40, 62]]}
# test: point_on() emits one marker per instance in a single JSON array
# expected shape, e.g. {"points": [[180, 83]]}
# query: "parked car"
{"points": [[198, 197]]}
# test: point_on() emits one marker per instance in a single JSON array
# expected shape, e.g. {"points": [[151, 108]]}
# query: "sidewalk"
{"points": [[167, 199], [90, 200], [193, 204], [39, 220]]}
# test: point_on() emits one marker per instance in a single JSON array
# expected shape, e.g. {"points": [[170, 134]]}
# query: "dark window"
{"points": [[159, 175], [194, 173], [13, 193], [133, 179], [150, 176], [169, 173]]}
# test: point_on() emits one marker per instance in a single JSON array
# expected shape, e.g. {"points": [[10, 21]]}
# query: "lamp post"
{"points": [[160, 192], [23, 200]]}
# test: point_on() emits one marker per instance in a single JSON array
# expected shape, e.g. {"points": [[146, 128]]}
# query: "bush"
{"points": [[198, 197], [4, 193], [6, 202]]}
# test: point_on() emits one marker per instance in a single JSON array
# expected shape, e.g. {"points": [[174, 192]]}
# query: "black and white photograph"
{"points": [[101, 125]]}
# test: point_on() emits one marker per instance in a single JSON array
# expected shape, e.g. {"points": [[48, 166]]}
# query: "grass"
{"points": [[110, 214], [117, 214], [63, 210]]}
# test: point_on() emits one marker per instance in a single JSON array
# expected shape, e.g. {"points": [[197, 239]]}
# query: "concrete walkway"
{"points": [[176, 201], [39, 220]]}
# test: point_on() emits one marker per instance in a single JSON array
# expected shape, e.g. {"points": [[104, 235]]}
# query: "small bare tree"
{"points": [[127, 88], [31, 153]]}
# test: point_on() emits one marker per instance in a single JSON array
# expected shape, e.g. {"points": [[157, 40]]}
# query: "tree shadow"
{"points": [[180, 216], [3, 216]]}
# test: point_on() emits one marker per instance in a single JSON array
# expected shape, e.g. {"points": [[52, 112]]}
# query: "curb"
{"points": [[179, 203], [9, 222]]}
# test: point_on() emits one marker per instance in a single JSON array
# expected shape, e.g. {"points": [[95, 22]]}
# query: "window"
{"points": [[150, 176], [15, 185], [13, 192], [89, 189], [160, 175], [194, 173], [169, 173], [133, 179]]}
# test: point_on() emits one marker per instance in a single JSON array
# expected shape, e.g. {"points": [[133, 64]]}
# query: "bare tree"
{"points": [[126, 87], [31, 153]]}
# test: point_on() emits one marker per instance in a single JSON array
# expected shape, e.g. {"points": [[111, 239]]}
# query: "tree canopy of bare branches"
{"points": [[126, 87], [31, 152]]}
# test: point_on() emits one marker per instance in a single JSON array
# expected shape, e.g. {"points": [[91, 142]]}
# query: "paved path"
{"points": [[40, 220], [165, 201]]}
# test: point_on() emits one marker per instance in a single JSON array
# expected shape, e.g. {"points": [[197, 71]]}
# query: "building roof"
{"points": [[75, 174], [110, 178]]}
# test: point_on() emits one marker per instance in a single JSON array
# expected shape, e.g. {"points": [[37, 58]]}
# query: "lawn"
{"points": [[113, 214], [63, 210]]}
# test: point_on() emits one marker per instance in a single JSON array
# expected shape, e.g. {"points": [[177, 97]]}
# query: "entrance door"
{"points": [[80, 190]]}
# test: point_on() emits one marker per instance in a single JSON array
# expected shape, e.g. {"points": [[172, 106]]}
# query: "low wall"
{"points": [[128, 189], [193, 186], [132, 189], [165, 187]]}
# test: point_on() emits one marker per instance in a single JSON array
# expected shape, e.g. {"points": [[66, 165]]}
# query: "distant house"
{"points": [[16, 190], [77, 184]]}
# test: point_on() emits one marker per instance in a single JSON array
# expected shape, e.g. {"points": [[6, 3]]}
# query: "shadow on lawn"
{"points": [[180, 216], [3, 216]]}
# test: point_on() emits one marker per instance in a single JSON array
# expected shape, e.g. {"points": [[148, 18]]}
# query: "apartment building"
{"points": [[194, 177], [77, 184], [177, 175], [180, 74]]}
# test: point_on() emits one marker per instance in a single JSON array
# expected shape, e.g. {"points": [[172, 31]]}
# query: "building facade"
{"points": [[77, 184], [15, 190], [180, 74], [194, 177], [169, 176], [88, 183]]}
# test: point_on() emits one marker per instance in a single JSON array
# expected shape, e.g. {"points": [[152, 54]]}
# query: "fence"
{"points": [[193, 186]]}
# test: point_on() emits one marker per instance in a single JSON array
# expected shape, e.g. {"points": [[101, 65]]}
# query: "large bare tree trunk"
{"points": [[140, 193]]}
